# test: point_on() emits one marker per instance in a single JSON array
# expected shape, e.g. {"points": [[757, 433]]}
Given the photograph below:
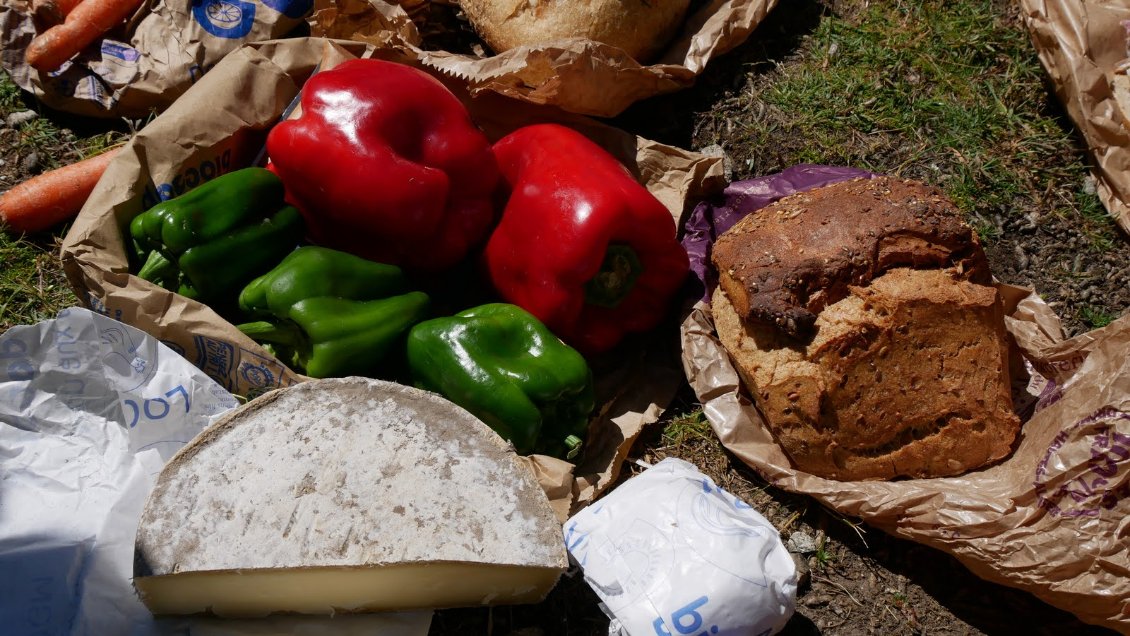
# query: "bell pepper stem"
{"points": [[616, 277], [574, 444], [287, 334], [157, 268]]}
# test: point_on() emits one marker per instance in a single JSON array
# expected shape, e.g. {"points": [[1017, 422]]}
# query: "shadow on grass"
{"points": [[670, 119]]}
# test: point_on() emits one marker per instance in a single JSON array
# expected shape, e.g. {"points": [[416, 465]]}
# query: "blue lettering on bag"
{"points": [[187, 179], [685, 620], [290, 8], [13, 354], [230, 19], [120, 51]]}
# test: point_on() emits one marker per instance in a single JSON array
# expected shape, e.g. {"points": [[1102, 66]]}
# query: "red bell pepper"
{"points": [[581, 244], [385, 163]]}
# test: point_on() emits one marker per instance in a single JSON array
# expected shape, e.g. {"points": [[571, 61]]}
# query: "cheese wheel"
{"points": [[345, 495]]}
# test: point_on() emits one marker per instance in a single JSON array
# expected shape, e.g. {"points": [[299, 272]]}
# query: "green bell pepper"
{"points": [[333, 313], [209, 242], [507, 368]]}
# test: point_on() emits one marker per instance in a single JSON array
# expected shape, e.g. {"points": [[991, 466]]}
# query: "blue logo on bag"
{"points": [[120, 51], [290, 8], [257, 376], [686, 620], [231, 19]]}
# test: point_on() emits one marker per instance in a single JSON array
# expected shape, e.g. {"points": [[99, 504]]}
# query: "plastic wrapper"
{"points": [[669, 552], [1049, 519]]}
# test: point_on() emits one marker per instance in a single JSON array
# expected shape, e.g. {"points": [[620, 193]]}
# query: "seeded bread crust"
{"points": [[906, 377], [781, 265]]}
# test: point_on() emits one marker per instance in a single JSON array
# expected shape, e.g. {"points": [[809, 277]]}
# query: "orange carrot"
{"points": [[51, 12], [52, 197], [88, 21]]}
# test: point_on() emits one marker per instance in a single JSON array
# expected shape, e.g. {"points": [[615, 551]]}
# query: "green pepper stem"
{"points": [[616, 277], [262, 331], [157, 268], [574, 444]]}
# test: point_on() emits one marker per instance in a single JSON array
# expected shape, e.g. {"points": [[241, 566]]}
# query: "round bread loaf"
{"points": [[862, 319], [642, 28]]}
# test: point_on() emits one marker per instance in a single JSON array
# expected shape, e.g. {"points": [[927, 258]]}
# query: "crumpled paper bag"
{"points": [[576, 75], [214, 128], [150, 61], [1050, 519], [1083, 47]]}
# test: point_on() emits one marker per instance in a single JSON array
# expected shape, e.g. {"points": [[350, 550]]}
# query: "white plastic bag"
{"points": [[671, 553]]}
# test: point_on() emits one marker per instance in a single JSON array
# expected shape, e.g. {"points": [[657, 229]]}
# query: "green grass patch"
{"points": [[9, 94], [1095, 316], [824, 554], [1101, 230], [37, 134], [32, 287], [687, 426]]}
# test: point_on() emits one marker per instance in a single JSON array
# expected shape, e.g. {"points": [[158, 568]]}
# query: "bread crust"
{"points": [[781, 265], [642, 28], [907, 377]]}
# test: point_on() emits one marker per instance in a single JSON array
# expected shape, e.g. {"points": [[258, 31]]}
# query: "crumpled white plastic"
{"points": [[671, 553]]}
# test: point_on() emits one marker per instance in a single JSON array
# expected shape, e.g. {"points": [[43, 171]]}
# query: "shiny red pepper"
{"points": [[581, 244], [385, 163]]}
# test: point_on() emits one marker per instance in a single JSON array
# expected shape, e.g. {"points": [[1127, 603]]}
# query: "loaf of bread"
{"points": [[642, 28], [879, 355]]}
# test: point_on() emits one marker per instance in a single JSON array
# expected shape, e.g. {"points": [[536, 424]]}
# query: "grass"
{"points": [[824, 554], [10, 97], [1099, 230], [32, 287], [682, 428], [946, 92], [1095, 317], [43, 132]]}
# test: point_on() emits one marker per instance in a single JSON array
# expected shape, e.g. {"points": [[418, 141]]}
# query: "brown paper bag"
{"points": [[1050, 519], [576, 75], [150, 61], [215, 128], [1083, 45]]}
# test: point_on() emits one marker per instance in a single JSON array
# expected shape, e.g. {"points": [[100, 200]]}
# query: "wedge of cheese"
{"points": [[345, 495]]}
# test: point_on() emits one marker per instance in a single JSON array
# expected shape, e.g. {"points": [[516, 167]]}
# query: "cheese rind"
{"points": [[337, 590], [345, 495]]}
